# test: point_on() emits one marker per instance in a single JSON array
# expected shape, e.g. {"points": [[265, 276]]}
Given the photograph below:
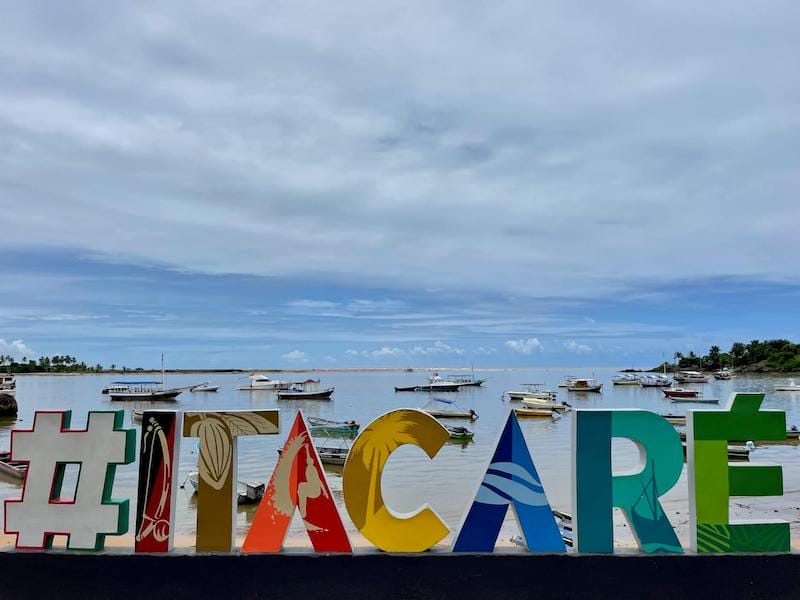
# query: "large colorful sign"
{"points": [[298, 484]]}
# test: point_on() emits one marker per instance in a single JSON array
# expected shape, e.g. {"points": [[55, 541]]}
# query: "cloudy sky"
{"points": [[335, 184]]}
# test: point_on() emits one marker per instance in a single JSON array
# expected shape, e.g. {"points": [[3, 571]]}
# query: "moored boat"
{"points": [[246, 492], [142, 390], [324, 427], [448, 409], [332, 452], [625, 379], [15, 469], [675, 419], [723, 375], [531, 412], [306, 390], [655, 380], [584, 385], [7, 384], [691, 377], [681, 393], [435, 384], [459, 433], [568, 379], [546, 404], [204, 387], [787, 387], [697, 400], [262, 382], [532, 390]]}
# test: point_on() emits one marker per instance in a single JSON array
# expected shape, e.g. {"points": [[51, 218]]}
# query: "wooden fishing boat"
{"points": [[325, 428], [559, 407], [584, 385], [460, 433], [448, 409], [246, 492], [527, 412], [14, 469], [532, 390], [681, 393], [306, 390]]}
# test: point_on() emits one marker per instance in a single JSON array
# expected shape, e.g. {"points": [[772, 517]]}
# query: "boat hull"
{"points": [[589, 388], [317, 395], [428, 388], [444, 414], [159, 396]]}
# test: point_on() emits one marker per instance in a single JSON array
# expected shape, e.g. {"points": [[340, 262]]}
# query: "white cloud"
{"points": [[338, 163], [577, 348], [524, 346], [438, 348], [480, 350], [295, 356], [17, 348]]}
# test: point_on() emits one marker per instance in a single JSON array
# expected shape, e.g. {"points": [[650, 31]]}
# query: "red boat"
{"points": [[680, 393]]}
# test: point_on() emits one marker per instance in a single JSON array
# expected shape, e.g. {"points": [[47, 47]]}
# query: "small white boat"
{"points": [[696, 400], [584, 385], [787, 387], [723, 375], [691, 377], [448, 409], [530, 412], [262, 382], [204, 387], [7, 384], [332, 451]]}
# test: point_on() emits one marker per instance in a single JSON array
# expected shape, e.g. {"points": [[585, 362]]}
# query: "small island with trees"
{"points": [[767, 356]]}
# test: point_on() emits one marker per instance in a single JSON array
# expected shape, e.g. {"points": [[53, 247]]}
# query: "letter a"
{"points": [[298, 481], [511, 479]]}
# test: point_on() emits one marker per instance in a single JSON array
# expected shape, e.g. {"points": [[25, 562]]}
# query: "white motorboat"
{"points": [[532, 390], [204, 387], [787, 387], [584, 385], [691, 377], [7, 384], [262, 382], [723, 375]]}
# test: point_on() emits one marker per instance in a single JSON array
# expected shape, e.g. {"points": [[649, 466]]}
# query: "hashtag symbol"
{"points": [[87, 518]]}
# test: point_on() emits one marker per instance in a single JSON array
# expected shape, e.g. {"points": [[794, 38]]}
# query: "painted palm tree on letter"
{"points": [[386, 435]]}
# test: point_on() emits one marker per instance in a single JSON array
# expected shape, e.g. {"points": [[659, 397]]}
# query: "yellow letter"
{"points": [[216, 466], [362, 481]]}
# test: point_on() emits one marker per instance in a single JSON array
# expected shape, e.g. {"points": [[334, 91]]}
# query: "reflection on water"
{"points": [[448, 482]]}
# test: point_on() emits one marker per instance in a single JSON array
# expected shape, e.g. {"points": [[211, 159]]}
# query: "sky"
{"points": [[312, 184]]}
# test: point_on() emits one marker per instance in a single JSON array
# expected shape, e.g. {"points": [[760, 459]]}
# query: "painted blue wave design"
{"points": [[499, 488]]}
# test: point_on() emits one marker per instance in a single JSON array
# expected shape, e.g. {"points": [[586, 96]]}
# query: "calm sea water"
{"points": [[448, 482]]}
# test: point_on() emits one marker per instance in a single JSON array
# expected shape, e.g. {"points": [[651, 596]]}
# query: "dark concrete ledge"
{"points": [[378, 576]]}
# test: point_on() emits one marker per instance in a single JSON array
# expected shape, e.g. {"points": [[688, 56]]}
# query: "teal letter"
{"points": [[596, 491]]}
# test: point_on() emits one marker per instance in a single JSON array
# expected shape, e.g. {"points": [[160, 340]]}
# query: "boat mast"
{"points": [[162, 370]]}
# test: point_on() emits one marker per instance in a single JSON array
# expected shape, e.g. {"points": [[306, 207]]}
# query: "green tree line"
{"points": [[51, 364], [767, 355]]}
